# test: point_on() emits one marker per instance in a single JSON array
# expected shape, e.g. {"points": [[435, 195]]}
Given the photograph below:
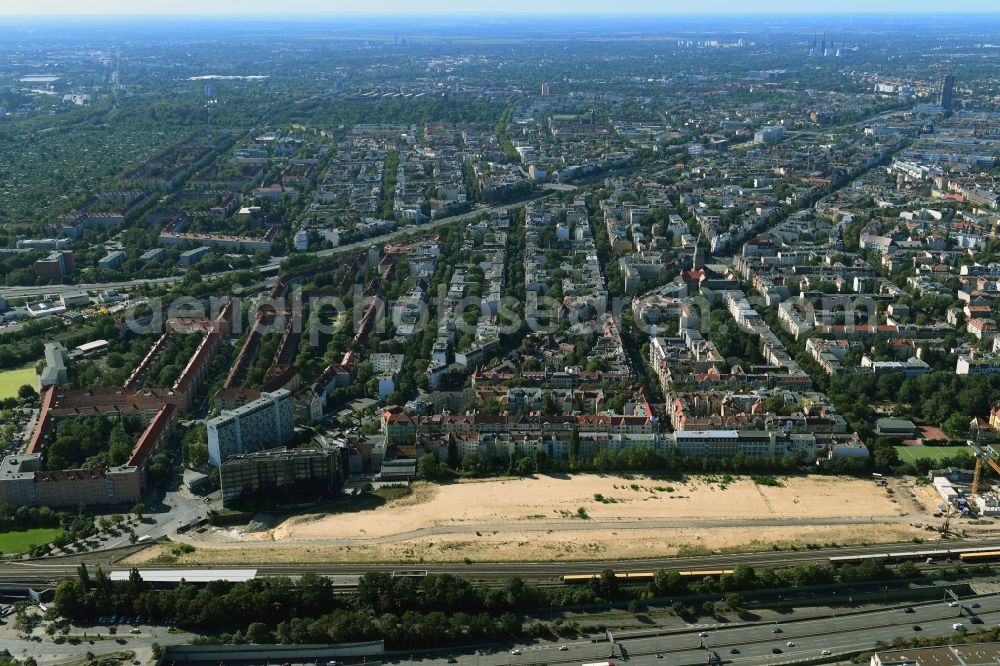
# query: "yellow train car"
{"points": [[982, 556], [639, 576], [622, 576]]}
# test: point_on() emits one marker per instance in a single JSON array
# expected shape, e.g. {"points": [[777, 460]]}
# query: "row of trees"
{"points": [[629, 459], [433, 610]]}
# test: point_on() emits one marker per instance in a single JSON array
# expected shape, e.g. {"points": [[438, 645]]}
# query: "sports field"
{"points": [[22, 540], [909, 454], [11, 380]]}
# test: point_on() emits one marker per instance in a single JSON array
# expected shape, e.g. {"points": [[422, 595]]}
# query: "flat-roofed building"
{"points": [[969, 654], [24, 482], [282, 474], [54, 373], [192, 256], [111, 260], [258, 425]]}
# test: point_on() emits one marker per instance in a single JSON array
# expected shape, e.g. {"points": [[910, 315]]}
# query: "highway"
{"points": [[753, 644], [54, 569]]}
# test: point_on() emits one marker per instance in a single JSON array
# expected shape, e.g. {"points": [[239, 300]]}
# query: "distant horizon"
{"points": [[73, 9], [512, 14]]}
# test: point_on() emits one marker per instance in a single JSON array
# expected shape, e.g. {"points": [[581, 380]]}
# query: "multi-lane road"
{"points": [[751, 644]]}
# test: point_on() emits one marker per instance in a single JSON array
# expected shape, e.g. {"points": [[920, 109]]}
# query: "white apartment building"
{"points": [[255, 426]]}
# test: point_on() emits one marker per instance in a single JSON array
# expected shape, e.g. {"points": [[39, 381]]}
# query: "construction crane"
{"points": [[989, 455], [977, 474]]}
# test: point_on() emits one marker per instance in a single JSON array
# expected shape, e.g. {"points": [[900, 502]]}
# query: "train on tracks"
{"points": [[965, 555], [969, 555], [640, 576]]}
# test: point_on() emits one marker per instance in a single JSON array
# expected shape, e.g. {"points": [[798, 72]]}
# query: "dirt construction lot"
{"points": [[585, 516]]}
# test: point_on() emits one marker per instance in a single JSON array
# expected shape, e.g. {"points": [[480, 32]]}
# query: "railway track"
{"points": [[25, 572]]}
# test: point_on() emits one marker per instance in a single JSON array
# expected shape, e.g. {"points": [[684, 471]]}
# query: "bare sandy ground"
{"points": [[504, 504], [549, 546], [538, 520]]}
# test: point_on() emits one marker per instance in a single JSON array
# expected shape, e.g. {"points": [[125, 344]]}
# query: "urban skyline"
{"points": [[449, 7]]}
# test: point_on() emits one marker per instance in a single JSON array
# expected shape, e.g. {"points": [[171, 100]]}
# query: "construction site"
{"points": [[964, 492]]}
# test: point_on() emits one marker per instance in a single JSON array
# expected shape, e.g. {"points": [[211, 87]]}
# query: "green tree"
{"points": [[428, 466], [956, 426]]}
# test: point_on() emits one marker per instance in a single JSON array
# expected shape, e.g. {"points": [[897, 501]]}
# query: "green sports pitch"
{"points": [[11, 380], [20, 541], [909, 454]]}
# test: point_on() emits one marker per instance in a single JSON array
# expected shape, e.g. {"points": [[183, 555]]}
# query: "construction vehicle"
{"points": [[945, 529]]}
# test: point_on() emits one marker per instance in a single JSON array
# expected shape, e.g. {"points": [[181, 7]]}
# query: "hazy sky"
{"points": [[273, 7]]}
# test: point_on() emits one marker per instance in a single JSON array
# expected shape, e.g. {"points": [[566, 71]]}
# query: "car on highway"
{"points": [[952, 604], [734, 651], [790, 644], [452, 660], [776, 630], [776, 650], [825, 653], [703, 634], [659, 655], [563, 648], [974, 604], [515, 652], [958, 626], [908, 609], [917, 627]]}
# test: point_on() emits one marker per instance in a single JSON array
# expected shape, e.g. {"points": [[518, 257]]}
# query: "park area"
{"points": [[11, 380], [16, 542], [579, 517]]}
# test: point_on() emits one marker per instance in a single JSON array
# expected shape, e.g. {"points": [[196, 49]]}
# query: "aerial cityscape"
{"points": [[543, 333]]}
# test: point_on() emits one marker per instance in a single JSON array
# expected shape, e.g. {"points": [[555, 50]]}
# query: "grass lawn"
{"points": [[11, 380], [910, 454], [19, 542]]}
